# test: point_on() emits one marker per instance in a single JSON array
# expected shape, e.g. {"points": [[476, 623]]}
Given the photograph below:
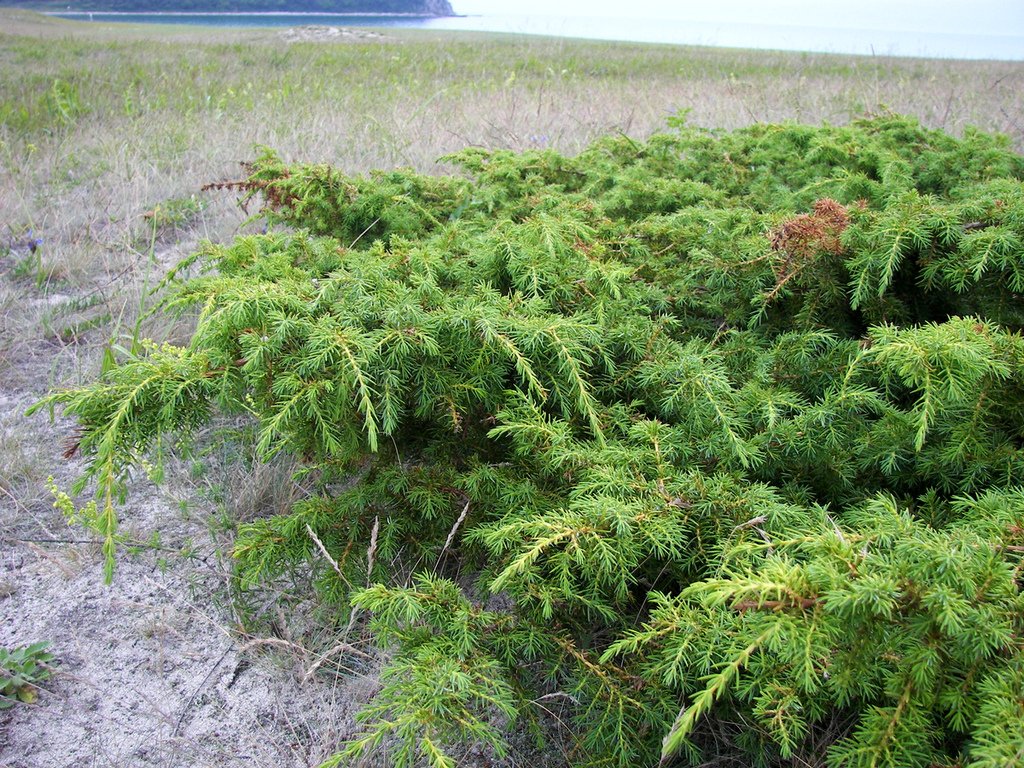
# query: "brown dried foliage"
{"points": [[275, 196], [809, 234], [799, 241]]}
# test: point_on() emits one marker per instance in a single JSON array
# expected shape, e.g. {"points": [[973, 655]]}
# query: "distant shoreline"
{"points": [[247, 13]]}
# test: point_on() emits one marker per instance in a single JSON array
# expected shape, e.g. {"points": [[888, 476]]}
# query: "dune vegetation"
{"points": [[602, 404]]}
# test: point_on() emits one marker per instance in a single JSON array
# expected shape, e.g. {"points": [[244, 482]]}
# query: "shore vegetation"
{"points": [[642, 404]]}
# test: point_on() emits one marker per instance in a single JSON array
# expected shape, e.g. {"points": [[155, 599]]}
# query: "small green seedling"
{"points": [[21, 669]]}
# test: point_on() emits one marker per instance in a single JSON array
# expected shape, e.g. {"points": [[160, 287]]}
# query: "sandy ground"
{"points": [[314, 33], [152, 670]]}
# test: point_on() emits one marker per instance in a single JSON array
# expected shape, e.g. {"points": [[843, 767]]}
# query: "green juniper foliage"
{"points": [[714, 439]]}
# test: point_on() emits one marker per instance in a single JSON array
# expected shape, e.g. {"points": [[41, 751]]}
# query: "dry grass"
{"points": [[102, 122]]}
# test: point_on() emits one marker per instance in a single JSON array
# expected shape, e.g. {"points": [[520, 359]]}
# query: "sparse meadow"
{"points": [[101, 123]]}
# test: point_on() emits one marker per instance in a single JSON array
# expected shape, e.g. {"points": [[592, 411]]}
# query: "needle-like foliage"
{"points": [[714, 440]]}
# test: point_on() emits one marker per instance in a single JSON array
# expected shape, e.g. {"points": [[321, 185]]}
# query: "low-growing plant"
{"points": [[30, 265], [716, 437], [69, 320], [64, 102], [22, 668], [174, 213]]}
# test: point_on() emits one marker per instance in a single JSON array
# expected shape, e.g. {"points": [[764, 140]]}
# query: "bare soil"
{"points": [[158, 669]]}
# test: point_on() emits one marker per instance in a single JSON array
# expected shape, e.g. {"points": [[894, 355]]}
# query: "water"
{"points": [[789, 37], [1005, 41]]}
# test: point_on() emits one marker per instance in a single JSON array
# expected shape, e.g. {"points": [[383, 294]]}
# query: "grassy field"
{"points": [[107, 134], [101, 123]]}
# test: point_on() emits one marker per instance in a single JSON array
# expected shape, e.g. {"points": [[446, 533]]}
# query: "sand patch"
{"points": [[314, 33]]}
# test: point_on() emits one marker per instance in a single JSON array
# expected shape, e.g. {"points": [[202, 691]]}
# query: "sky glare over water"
{"points": [[908, 27], [951, 16]]}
